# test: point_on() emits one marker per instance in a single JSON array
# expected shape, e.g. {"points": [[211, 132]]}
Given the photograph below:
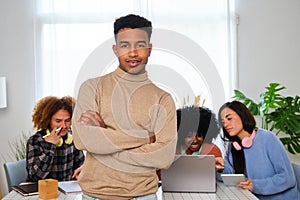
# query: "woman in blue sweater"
{"points": [[256, 153]]}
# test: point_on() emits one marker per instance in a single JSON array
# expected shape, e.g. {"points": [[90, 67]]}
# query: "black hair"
{"points": [[133, 21], [196, 119], [249, 125]]}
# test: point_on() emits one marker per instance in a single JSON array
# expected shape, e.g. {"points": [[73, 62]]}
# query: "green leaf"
{"points": [[251, 105], [297, 148], [290, 149]]}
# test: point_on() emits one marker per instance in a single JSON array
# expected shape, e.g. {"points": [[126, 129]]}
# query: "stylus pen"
{"points": [[57, 130]]}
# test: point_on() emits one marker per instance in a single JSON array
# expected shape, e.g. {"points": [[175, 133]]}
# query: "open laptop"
{"points": [[190, 173]]}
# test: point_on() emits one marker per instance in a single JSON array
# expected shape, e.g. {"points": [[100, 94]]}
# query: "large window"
{"points": [[192, 43]]}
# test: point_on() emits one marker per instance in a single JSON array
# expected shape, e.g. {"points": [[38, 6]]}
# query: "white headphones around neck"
{"points": [[246, 142]]}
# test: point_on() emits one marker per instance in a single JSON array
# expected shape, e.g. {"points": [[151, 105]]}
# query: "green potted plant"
{"points": [[278, 113]]}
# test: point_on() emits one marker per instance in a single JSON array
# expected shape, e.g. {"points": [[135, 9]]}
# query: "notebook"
{"points": [[68, 187], [190, 173], [26, 189]]}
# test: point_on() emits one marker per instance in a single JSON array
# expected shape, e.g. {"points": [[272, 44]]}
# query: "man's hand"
{"points": [[92, 118]]}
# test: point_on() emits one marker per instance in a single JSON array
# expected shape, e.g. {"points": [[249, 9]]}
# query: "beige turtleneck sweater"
{"points": [[120, 162]]}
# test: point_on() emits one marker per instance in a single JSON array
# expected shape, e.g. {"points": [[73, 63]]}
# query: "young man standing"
{"points": [[125, 123]]}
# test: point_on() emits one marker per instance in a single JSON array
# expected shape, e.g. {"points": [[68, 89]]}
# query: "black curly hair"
{"points": [[133, 21], [196, 119]]}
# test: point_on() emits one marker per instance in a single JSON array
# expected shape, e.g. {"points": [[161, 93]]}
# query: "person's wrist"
{"points": [[152, 137]]}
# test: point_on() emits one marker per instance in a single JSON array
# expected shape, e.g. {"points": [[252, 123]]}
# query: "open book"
{"points": [[26, 189], [68, 187]]}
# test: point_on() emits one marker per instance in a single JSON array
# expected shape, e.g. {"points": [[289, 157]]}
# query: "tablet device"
{"points": [[232, 179], [26, 189]]}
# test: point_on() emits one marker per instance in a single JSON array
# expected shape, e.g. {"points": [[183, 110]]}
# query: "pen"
{"points": [[26, 183], [57, 130]]}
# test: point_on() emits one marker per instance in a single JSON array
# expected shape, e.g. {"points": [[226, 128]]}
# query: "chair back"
{"points": [[16, 173], [296, 168]]}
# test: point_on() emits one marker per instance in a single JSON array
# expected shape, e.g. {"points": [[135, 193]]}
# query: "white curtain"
{"points": [[194, 45]]}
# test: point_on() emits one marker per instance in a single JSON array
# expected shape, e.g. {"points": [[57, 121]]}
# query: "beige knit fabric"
{"points": [[120, 163]]}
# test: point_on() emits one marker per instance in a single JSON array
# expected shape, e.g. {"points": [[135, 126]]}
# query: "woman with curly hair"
{"points": [[51, 152], [197, 128]]}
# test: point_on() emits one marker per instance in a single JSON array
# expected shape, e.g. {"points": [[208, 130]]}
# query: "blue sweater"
{"points": [[269, 168]]}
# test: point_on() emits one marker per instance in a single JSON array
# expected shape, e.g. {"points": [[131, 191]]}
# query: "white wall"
{"points": [[269, 46], [268, 50], [17, 65]]}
